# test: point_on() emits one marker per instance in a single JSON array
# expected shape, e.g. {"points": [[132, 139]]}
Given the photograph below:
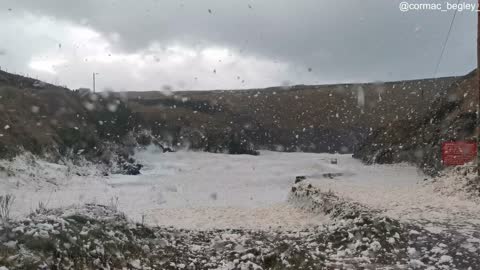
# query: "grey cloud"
{"points": [[341, 40]]}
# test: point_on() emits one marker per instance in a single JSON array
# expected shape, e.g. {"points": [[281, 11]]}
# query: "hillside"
{"points": [[53, 121], [325, 118], [418, 140], [380, 122]]}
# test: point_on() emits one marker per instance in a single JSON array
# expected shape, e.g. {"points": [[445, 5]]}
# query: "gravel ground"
{"points": [[99, 237]]}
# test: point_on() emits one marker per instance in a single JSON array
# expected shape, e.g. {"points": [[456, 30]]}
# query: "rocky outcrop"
{"points": [[452, 116]]}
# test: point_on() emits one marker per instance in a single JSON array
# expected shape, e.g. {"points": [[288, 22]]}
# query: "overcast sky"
{"points": [[228, 44]]}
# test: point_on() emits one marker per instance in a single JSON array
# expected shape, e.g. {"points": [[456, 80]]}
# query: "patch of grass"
{"points": [[6, 202], [79, 219], [41, 244]]}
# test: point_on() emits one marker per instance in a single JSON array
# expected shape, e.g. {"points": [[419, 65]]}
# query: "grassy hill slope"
{"points": [[326, 118], [451, 117], [49, 120]]}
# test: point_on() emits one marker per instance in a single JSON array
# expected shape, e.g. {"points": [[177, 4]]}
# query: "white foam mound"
{"points": [[28, 169], [205, 190], [458, 182]]}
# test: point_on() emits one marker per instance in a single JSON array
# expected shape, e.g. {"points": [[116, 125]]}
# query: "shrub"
{"points": [[238, 147]]}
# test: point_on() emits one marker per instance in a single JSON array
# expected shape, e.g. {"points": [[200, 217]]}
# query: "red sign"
{"points": [[458, 153]]}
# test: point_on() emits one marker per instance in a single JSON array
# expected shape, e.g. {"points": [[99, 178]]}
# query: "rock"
{"points": [[375, 246], [132, 169], [136, 264], [39, 84], [416, 264], [162, 243], [10, 244], [331, 175], [129, 167], [45, 226], [167, 150], [300, 178], [43, 234], [445, 259]]}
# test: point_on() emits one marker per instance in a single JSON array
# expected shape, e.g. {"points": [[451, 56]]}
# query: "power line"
{"points": [[446, 41]]}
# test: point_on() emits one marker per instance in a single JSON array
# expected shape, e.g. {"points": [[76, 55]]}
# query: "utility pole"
{"points": [[94, 74], [478, 99]]}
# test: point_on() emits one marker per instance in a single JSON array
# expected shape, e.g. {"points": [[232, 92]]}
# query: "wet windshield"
{"points": [[246, 134]]}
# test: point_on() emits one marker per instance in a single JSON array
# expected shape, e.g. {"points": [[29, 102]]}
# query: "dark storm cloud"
{"points": [[341, 40]]}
